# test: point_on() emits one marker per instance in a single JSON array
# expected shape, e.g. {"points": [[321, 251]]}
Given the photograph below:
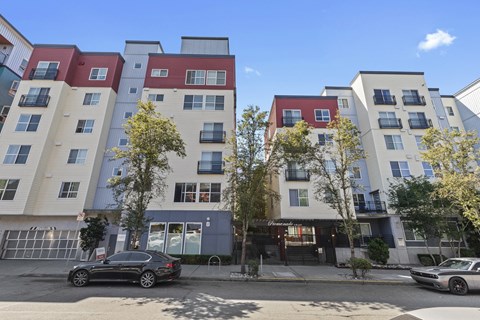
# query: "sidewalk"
{"points": [[294, 273]]}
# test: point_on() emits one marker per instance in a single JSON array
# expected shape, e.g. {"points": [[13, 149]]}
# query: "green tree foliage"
{"points": [[378, 251], [152, 140], [93, 233], [454, 158]]}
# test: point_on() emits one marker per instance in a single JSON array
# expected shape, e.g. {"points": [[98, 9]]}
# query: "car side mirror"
{"points": [[106, 261]]}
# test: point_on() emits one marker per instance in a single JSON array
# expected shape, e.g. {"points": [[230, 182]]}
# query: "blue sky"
{"points": [[281, 47]]}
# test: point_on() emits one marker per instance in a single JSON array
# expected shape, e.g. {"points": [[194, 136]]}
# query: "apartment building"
{"points": [[15, 51]]}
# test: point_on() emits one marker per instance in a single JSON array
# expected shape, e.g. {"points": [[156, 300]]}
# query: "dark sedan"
{"points": [[144, 267]]}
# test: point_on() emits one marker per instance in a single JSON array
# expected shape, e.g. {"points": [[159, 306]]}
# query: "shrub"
{"points": [[378, 251], [464, 252], [253, 268], [426, 260], [202, 259], [360, 264]]}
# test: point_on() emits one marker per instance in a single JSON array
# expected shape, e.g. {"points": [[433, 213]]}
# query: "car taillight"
{"points": [[170, 265]]}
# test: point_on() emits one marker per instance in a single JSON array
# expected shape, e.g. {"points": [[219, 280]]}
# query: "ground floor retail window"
{"points": [[300, 236], [40, 244], [175, 237]]}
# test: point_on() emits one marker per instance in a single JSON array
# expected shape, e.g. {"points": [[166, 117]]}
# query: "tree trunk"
{"points": [[440, 249], [244, 250], [430, 253], [352, 253]]}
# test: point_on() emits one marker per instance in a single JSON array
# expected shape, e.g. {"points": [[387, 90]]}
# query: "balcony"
{"points": [[371, 207], [390, 123], [3, 58], [388, 100], [414, 101], [212, 136], [34, 100], [210, 167], [297, 175], [420, 123], [43, 74], [290, 121]]}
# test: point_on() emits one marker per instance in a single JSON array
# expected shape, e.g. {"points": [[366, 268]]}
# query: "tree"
{"points": [[331, 164], [454, 158], [248, 168], [152, 139], [93, 233]]}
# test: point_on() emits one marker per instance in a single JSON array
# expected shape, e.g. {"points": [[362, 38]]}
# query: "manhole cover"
{"points": [[284, 275]]}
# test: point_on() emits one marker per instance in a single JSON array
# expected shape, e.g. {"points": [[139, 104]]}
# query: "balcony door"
{"points": [[211, 161], [45, 68], [213, 131], [36, 94]]}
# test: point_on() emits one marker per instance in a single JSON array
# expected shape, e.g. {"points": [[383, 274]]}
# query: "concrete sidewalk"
{"points": [[293, 273]]}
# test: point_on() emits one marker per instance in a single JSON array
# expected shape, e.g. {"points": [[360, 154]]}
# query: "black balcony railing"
{"points": [[210, 167], [3, 58], [371, 207], [420, 123], [43, 74], [297, 175], [34, 100], [212, 136], [390, 100], [414, 100], [390, 123], [342, 240], [290, 121]]}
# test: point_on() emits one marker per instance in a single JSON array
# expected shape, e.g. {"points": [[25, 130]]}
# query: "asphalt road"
{"points": [[43, 298]]}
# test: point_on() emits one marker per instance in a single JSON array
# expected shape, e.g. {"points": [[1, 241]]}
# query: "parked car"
{"points": [[457, 275], [144, 267]]}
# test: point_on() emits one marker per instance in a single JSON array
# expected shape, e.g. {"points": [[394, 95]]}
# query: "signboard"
{"points": [[81, 216], [100, 253]]}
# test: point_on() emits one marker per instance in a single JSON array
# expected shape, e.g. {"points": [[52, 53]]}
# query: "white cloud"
{"points": [[435, 40], [251, 70]]}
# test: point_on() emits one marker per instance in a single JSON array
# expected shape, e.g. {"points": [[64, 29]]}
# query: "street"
{"points": [[54, 298]]}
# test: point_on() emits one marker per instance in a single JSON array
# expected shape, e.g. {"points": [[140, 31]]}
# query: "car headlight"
{"points": [[75, 267]]}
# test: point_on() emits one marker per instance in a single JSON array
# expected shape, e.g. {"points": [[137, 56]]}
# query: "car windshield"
{"points": [[455, 264]]}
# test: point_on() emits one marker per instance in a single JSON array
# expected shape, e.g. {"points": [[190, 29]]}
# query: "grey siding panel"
{"points": [[205, 46], [18, 52]]}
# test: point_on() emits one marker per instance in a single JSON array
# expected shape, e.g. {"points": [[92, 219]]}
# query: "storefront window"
{"points": [[175, 238], [193, 237], [156, 236], [300, 236]]}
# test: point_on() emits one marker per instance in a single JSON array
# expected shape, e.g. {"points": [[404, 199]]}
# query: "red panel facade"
{"points": [[178, 65], [307, 106], [86, 62]]}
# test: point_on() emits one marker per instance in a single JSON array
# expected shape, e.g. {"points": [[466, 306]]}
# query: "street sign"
{"points": [[81, 216]]}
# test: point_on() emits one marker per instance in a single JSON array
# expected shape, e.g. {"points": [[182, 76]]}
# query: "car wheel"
{"points": [[148, 279], [458, 286], [80, 278]]}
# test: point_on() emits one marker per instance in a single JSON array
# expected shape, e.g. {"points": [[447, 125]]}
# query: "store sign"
{"points": [[274, 223], [100, 253]]}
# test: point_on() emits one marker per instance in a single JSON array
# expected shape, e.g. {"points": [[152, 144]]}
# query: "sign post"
{"points": [[100, 253]]}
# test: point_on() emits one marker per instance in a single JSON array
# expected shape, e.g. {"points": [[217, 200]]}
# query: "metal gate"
{"points": [[40, 244]]}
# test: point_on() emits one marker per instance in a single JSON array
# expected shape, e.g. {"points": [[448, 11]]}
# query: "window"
{"points": [[98, 74], [214, 102], [359, 200], [174, 238], [77, 156], [8, 188], [455, 128], [137, 65], [17, 154], [195, 77], [290, 117], [209, 192], [211, 162], [387, 115], [117, 172], [156, 236], [343, 103], [193, 238], [122, 256], [85, 126], [14, 87], [450, 111], [155, 97], [330, 166], [355, 173], [212, 132], [193, 102], [127, 115], [325, 139], [122, 142], [69, 190], [427, 169], [322, 115], [132, 90], [400, 169], [36, 97], [28, 122], [91, 99], [420, 145], [185, 192], [410, 234], [365, 229], [162, 73], [393, 142], [23, 65], [216, 78], [139, 257], [382, 96], [46, 70], [298, 197], [411, 97]]}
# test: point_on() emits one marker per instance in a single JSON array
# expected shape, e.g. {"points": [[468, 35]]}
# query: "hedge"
{"points": [[426, 260], [202, 259]]}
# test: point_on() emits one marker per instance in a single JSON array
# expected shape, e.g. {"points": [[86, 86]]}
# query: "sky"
{"points": [[281, 47]]}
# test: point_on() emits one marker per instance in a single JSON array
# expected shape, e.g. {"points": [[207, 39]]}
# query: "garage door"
{"points": [[40, 244]]}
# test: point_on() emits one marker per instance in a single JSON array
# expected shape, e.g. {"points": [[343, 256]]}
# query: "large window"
{"points": [[156, 237], [175, 238], [162, 73], [17, 154], [393, 142], [359, 200], [8, 188], [98, 74], [400, 169], [325, 139], [77, 156], [193, 238], [298, 197], [85, 126], [216, 78], [195, 77], [185, 192], [181, 238], [382, 96], [330, 166], [322, 115], [411, 97], [155, 97], [420, 145], [355, 173], [450, 111], [69, 190], [28, 122], [214, 102], [410, 234], [91, 99], [290, 117], [209, 192], [193, 102], [428, 170]]}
